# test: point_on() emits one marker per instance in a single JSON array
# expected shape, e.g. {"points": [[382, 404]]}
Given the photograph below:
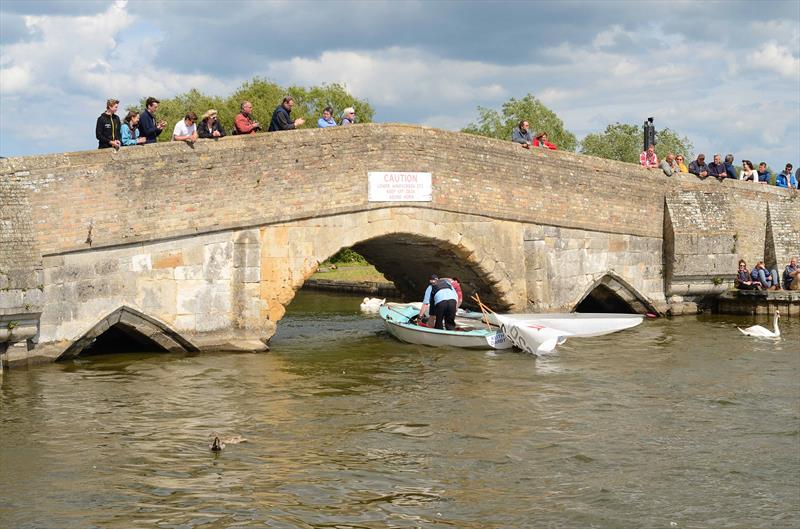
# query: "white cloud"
{"points": [[773, 56]]}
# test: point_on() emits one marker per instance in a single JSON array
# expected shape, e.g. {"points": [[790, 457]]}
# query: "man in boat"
{"points": [[441, 295]]}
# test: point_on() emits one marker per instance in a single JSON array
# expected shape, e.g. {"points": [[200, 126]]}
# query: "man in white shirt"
{"points": [[185, 129]]}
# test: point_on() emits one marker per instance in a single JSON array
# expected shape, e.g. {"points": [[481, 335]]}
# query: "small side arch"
{"points": [[611, 293], [139, 328]]}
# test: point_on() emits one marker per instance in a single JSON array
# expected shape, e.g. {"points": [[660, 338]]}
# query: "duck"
{"points": [[760, 332], [217, 445], [372, 304]]}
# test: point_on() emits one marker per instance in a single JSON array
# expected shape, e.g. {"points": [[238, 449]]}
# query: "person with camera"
{"points": [[281, 118], [149, 128], [244, 123]]}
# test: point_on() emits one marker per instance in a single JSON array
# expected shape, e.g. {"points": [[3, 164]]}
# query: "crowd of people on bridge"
{"points": [[138, 128], [719, 169], [762, 278]]}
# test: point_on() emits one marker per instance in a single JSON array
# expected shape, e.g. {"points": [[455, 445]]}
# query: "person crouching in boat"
{"points": [[441, 295]]}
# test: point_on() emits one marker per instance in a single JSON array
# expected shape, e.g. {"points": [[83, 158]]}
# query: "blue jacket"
{"points": [[731, 170], [128, 136], [784, 180], [323, 124], [763, 177], [281, 120]]}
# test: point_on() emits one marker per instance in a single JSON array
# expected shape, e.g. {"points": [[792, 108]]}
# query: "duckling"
{"points": [[217, 445]]}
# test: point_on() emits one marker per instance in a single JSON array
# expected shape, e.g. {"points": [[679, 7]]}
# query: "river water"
{"points": [[676, 423]]}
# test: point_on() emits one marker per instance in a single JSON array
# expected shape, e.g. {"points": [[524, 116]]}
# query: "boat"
{"points": [[541, 333], [470, 333]]}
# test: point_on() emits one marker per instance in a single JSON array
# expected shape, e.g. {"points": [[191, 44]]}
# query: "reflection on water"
{"points": [[679, 421]]}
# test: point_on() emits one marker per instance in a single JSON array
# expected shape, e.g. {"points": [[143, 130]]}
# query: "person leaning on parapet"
{"points": [[669, 165], [107, 128], [785, 178], [522, 134], [185, 129], [730, 170], [281, 118], [541, 141], [129, 133], [744, 280], [348, 117], [791, 275], [680, 161], [749, 173], [768, 278], [648, 158], [717, 168], [763, 173], [243, 123], [149, 128], [210, 127], [327, 119], [699, 167]]}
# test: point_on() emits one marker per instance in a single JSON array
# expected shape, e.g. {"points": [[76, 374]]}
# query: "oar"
{"points": [[409, 320], [476, 298]]}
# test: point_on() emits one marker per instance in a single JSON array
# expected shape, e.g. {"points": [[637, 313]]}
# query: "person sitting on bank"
{"points": [[327, 119], [791, 275], [768, 278], [440, 295], [129, 132], [107, 129], [348, 117], [185, 129], [243, 123], [648, 158], [522, 134], [680, 161], [743, 279], [669, 166], [699, 167], [281, 118], [541, 141], [210, 127]]}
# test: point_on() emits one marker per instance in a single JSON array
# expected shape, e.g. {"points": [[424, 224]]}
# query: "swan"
{"points": [[760, 332], [372, 304]]}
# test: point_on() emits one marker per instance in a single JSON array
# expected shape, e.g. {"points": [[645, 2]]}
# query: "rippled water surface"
{"points": [[676, 423]]}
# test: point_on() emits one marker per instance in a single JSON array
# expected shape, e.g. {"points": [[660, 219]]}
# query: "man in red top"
{"points": [[648, 158], [243, 124]]}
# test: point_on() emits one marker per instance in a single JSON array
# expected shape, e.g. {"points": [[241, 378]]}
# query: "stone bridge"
{"points": [[194, 248]]}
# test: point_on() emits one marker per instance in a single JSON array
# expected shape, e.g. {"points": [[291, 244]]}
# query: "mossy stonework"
{"points": [[203, 247]]}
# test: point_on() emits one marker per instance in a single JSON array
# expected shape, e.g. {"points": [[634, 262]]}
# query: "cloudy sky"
{"points": [[726, 74]]}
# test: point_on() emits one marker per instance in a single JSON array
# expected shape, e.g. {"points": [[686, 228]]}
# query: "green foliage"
{"points": [[265, 97], [347, 255], [623, 142], [494, 124]]}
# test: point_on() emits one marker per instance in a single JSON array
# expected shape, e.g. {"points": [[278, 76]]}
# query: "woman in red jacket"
{"points": [[541, 141]]}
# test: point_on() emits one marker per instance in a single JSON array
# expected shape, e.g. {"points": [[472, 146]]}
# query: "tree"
{"points": [[265, 96], [624, 142], [494, 124]]}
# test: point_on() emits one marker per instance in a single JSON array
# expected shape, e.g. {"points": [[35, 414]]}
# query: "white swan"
{"points": [[372, 304], [760, 332]]}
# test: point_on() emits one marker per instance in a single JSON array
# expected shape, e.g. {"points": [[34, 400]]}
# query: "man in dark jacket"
{"points": [[699, 167], [281, 119], [107, 128], [148, 126], [717, 168]]}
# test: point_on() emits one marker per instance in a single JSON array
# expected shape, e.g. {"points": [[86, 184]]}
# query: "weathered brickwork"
{"points": [[212, 241]]}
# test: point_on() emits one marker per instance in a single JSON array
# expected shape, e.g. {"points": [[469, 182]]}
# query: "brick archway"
{"points": [[137, 326], [611, 293]]}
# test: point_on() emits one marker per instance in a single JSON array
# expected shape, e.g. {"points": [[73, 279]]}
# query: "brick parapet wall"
{"points": [[170, 189]]}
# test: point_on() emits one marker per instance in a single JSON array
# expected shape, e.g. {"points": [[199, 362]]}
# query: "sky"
{"points": [[726, 74]]}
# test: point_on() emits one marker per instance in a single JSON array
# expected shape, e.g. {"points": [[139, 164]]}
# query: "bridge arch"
{"points": [[137, 328], [611, 293], [407, 245]]}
